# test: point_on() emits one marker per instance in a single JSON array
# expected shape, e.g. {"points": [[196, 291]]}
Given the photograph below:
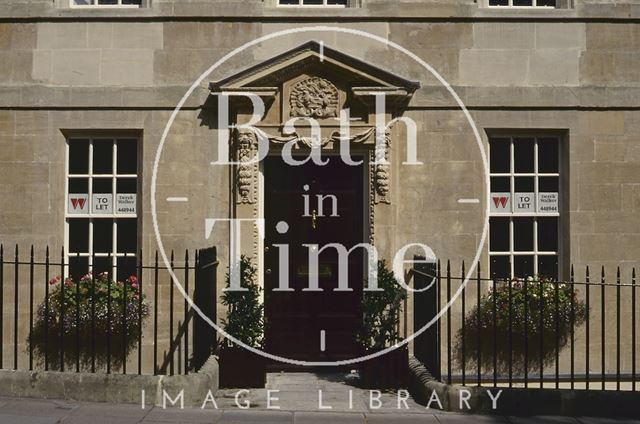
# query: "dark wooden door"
{"points": [[297, 319]]}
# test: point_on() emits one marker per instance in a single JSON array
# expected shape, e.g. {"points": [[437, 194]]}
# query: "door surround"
{"points": [[314, 81]]}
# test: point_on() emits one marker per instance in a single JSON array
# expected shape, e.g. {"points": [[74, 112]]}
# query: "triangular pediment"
{"points": [[361, 76]]}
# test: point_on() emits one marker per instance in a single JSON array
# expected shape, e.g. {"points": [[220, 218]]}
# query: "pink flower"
{"points": [[54, 280], [132, 280]]}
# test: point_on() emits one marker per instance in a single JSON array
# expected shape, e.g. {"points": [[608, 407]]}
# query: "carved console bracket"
{"points": [[381, 171], [246, 173]]}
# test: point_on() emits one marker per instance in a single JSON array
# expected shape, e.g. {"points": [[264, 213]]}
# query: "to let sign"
{"points": [[78, 204], [524, 202], [500, 202], [548, 202], [126, 203], [102, 204]]}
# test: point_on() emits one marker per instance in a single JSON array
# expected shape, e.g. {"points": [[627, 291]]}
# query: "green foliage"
{"points": [[544, 307], [72, 313], [381, 312], [245, 317]]}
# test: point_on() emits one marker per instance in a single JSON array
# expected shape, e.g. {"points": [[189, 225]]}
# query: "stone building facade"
{"points": [[87, 91]]}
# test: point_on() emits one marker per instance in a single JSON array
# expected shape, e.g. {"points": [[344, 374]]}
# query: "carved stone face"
{"points": [[245, 139], [314, 98]]}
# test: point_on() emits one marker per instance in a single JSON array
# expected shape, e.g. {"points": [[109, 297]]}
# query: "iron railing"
{"points": [[598, 353], [166, 343]]}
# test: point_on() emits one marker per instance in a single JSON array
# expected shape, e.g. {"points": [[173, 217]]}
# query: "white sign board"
{"points": [[78, 204], [501, 202], [126, 203], [548, 202], [524, 202], [102, 204]]}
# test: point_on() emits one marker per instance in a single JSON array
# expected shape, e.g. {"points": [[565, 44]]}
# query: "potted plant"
{"points": [[528, 314], [239, 367], [96, 319], [380, 330]]}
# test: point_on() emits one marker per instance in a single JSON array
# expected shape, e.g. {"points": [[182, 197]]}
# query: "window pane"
{"points": [[103, 235], [548, 184], [523, 234], [78, 185], [548, 155], [500, 184], [102, 185], [82, 2], [102, 264], [79, 235], [127, 185], [127, 157], [500, 155], [78, 267], [548, 234], [102, 156], [127, 236], [107, 1], [523, 2], [523, 266], [500, 267], [499, 234], [548, 266], [78, 156], [498, 2], [524, 184], [137, 2], [312, 2], [546, 3], [523, 154], [289, 1], [343, 2], [126, 267]]}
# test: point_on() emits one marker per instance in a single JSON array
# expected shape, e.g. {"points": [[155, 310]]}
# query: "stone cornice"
{"points": [[167, 97]]}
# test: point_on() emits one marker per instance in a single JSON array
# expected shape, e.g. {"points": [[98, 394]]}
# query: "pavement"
{"points": [[30, 411], [297, 395]]}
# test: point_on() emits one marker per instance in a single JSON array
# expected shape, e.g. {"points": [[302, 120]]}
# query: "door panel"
{"points": [[296, 318]]}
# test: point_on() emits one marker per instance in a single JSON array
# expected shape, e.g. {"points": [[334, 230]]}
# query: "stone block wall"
{"points": [[572, 71]]}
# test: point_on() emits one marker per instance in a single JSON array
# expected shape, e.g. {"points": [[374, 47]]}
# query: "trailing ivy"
{"points": [[545, 308], [94, 320]]}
